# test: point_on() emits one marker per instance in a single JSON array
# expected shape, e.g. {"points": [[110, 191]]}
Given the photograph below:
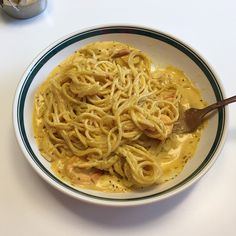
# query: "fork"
{"points": [[190, 119]]}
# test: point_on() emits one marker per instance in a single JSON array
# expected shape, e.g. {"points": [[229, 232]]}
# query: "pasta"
{"points": [[104, 118]]}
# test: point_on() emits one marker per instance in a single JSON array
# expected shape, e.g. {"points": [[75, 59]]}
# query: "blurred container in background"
{"points": [[23, 9]]}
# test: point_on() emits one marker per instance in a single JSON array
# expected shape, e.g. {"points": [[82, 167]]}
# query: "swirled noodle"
{"points": [[103, 112]]}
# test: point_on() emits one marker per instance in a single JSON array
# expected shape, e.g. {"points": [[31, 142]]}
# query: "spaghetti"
{"points": [[104, 112]]}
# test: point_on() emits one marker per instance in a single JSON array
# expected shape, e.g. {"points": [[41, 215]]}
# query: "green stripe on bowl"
{"points": [[111, 30]]}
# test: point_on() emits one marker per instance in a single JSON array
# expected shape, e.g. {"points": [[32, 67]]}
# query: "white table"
{"points": [[29, 206]]}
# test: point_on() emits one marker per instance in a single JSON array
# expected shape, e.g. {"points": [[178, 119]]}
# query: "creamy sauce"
{"points": [[172, 154], [183, 148]]}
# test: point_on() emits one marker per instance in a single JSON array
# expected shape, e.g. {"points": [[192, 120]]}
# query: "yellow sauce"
{"points": [[172, 154]]}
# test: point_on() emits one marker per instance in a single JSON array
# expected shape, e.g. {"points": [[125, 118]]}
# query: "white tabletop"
{"points": [[29, 206]]}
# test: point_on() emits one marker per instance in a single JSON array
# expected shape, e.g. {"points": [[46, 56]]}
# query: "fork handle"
{"points": [[219, 104]]}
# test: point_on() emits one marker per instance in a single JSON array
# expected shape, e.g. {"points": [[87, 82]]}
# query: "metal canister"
{"points": [[23, 9]]}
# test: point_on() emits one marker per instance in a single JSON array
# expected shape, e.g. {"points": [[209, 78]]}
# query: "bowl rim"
{"points": [[60, 44]]}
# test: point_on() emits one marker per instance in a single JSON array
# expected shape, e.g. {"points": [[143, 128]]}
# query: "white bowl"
{"points": [[164, 50]]}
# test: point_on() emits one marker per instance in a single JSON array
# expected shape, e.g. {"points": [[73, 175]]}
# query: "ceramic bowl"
{"points": [[164, 49]]}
